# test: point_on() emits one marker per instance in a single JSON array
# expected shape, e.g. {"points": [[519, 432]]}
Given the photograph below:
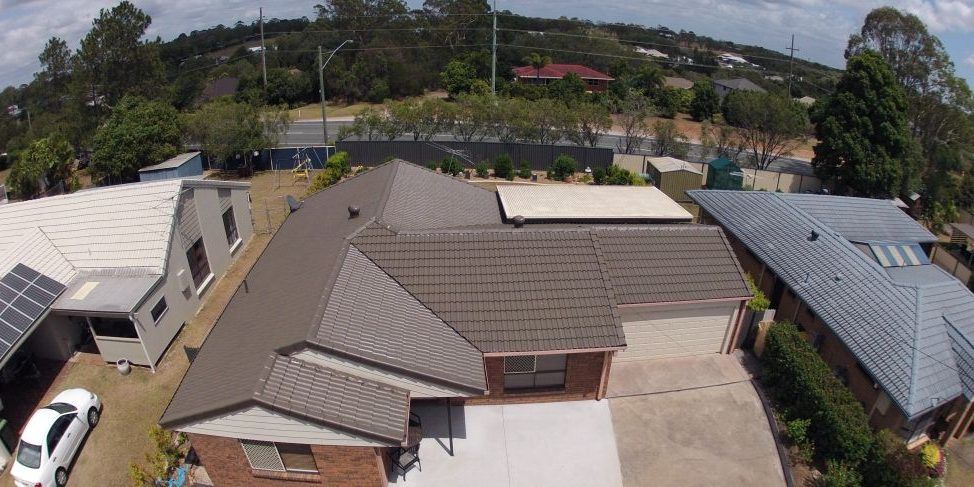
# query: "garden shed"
{"points": [[187, 165], [674, 177], [722, 173]]}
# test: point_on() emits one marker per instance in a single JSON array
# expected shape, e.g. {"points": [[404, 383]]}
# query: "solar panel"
{"points": [[24, 296]]}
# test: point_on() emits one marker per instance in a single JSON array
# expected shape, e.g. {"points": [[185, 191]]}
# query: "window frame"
{"points": [[200, 276], [156, 318], [546, 368], [53, 442], [276, 447], [97, 321], [231, 224]]}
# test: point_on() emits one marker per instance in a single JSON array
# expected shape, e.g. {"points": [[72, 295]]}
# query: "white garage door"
{"points": [[675, 331]]}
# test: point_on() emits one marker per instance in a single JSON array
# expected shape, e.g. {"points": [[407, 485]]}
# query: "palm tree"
{"points": [[537, 61]]}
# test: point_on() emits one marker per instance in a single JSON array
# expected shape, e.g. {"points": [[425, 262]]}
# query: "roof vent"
{"points": [[813, 237], [353, 212], [292, 203], [518, 221], [839, 277]]}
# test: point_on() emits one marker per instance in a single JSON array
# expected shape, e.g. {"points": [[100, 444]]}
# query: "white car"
{"points": [[52, 438]]}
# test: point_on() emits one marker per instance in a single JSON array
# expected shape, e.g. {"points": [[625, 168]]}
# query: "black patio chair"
{"points": [[403, 458]]}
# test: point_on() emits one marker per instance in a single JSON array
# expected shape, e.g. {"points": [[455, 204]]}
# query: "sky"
{"points": [[821, 27]]}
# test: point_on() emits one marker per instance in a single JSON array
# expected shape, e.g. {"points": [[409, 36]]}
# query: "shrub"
{"points": [[563, 168], [891, 464], [450, 166], [525, 172], [838, 474], [483, 170], [617, 176], [161, 460], [598, 175], [503, 166], [340, 164], [324, 179], [933, 459], [432, 165], [805, 385], [760, 301], [797, 430]]}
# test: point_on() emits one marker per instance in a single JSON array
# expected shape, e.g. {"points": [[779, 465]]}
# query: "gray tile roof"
{"points": [[315, 393], [369, 316], [674, 263], [896, 327], [739, 84], [444, 204], [861, 219]]}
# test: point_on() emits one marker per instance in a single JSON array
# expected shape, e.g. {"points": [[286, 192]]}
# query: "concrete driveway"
{"points": [[691, 422], [523, 445]]}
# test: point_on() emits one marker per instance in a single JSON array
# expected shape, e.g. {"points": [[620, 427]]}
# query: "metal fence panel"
{"points": [[540, 157]]}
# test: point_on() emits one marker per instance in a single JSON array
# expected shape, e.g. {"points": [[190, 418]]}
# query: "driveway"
{"points": [[691, 422], [523, 445]]}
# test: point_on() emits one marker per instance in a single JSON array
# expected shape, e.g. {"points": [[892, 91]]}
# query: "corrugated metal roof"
{"points": [[670, 164], [893, 320], [316, 393], [171, 163], [861, 219], [570, 202]]}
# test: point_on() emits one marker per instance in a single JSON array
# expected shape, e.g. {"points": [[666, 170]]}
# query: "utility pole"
{"points": [[263, 50], [321, 84], [790, 62], [493, 62]]}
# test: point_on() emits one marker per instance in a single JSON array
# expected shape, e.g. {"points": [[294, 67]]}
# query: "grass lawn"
{"points": [[133, 403], [960, 464]]}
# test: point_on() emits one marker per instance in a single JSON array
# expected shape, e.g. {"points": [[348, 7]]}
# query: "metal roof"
{"points": [[418, 288], [739, 84], [177, 161], [895, 321], [559, 71], [862, 219], [570, 202], [316, 393], [105, 293], [670, 164]]}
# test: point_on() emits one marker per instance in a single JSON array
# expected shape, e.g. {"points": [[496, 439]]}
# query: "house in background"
{"points": [[187, 165], [853, 273], [226, 86], [124, 266], [653, 53], [595, 81], [420, 288], [725, 86]]}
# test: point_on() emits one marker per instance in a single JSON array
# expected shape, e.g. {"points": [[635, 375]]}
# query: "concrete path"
{"points": [[691, 422], [524, 445]]}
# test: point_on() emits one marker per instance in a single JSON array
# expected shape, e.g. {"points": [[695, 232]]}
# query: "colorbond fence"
{"points": [[539, 156]]}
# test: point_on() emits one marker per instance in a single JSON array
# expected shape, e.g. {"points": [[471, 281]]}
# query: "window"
{"points": [[198, 264], [526, 372], [159, 309], [57, 431], [29, 455], [230, 227], [281, 457], [113, 327]]}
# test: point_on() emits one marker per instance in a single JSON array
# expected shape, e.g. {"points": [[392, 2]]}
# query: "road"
{"points": [[307, 133]]}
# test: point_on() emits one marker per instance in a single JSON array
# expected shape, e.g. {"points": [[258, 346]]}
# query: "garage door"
{"points": [[675, 331]]}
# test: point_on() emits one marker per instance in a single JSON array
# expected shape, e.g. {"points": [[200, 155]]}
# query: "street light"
{"points": [[321, 83]]}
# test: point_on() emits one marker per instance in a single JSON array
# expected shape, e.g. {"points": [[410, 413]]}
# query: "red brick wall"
{"points": [[583, 375], [345, 466]]}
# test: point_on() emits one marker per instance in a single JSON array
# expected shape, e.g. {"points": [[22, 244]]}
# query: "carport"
{"points": [[523, 445], [691, 421]]}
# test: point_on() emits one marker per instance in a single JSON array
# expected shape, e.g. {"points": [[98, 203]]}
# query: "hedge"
{"points": [[802, 382]]}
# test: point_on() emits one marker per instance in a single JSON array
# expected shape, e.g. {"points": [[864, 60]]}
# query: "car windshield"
{"points": [[61, 407], [29, 455]]}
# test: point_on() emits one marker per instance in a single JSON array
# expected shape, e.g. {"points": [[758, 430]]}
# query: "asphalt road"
{"points": [[309, 132]]}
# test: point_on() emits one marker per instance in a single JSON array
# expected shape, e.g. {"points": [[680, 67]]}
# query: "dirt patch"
{"points": [[960, 464]]}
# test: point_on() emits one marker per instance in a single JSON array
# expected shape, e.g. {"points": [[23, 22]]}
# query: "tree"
{"points": [[46, 161], [287, 87], [592, 121], [634, 110], [538, 62], [769, 125], [570, 89], [56, 60], [137, 134], [229, 130], [669, 101], [472, 117], [720, 140], [113, 59], [668, 140], [864, 142], [705, 102], [648, 79], [458, 77]]}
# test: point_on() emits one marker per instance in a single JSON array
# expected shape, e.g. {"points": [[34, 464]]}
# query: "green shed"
{"points": [[722, 173], [674, 177]]}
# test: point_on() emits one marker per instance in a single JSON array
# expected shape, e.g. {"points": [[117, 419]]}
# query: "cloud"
{"points": [[969, 60], [942, 15]]}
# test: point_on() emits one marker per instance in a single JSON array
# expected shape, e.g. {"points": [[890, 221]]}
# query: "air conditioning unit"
{"points": [[184, 279]]}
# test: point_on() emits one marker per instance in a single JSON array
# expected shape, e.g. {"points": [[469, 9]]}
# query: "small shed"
{"points": [[722, 173], [186, 165], [674, 177]]}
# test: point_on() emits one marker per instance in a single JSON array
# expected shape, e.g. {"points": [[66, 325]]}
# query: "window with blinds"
{"points": [[526, 372], [280, 457], [262, 455]]}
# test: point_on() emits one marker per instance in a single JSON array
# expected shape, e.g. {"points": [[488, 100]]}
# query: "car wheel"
{"points": [[93, 417], [61, 477]]}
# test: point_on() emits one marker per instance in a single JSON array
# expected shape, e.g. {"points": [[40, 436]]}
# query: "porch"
{"points": [[560, 443]]}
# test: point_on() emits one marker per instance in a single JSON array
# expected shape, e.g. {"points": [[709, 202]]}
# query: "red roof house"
{"points": [[596, 80]]}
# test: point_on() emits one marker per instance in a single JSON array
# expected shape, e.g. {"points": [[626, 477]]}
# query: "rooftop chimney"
{"points": [[353, 212], [518, 221]]}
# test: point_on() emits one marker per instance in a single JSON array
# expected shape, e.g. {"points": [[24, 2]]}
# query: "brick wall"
{"points": [[583, 375], [344, 466]]}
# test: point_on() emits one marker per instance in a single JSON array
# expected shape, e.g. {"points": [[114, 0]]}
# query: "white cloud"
{"points": [[969, 60], [942, 15]]}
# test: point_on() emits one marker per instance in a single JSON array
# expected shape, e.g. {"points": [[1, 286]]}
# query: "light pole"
{"points": [[321, 84]]}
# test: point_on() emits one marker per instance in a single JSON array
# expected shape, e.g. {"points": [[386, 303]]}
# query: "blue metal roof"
{"points": [[894, 320]]}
